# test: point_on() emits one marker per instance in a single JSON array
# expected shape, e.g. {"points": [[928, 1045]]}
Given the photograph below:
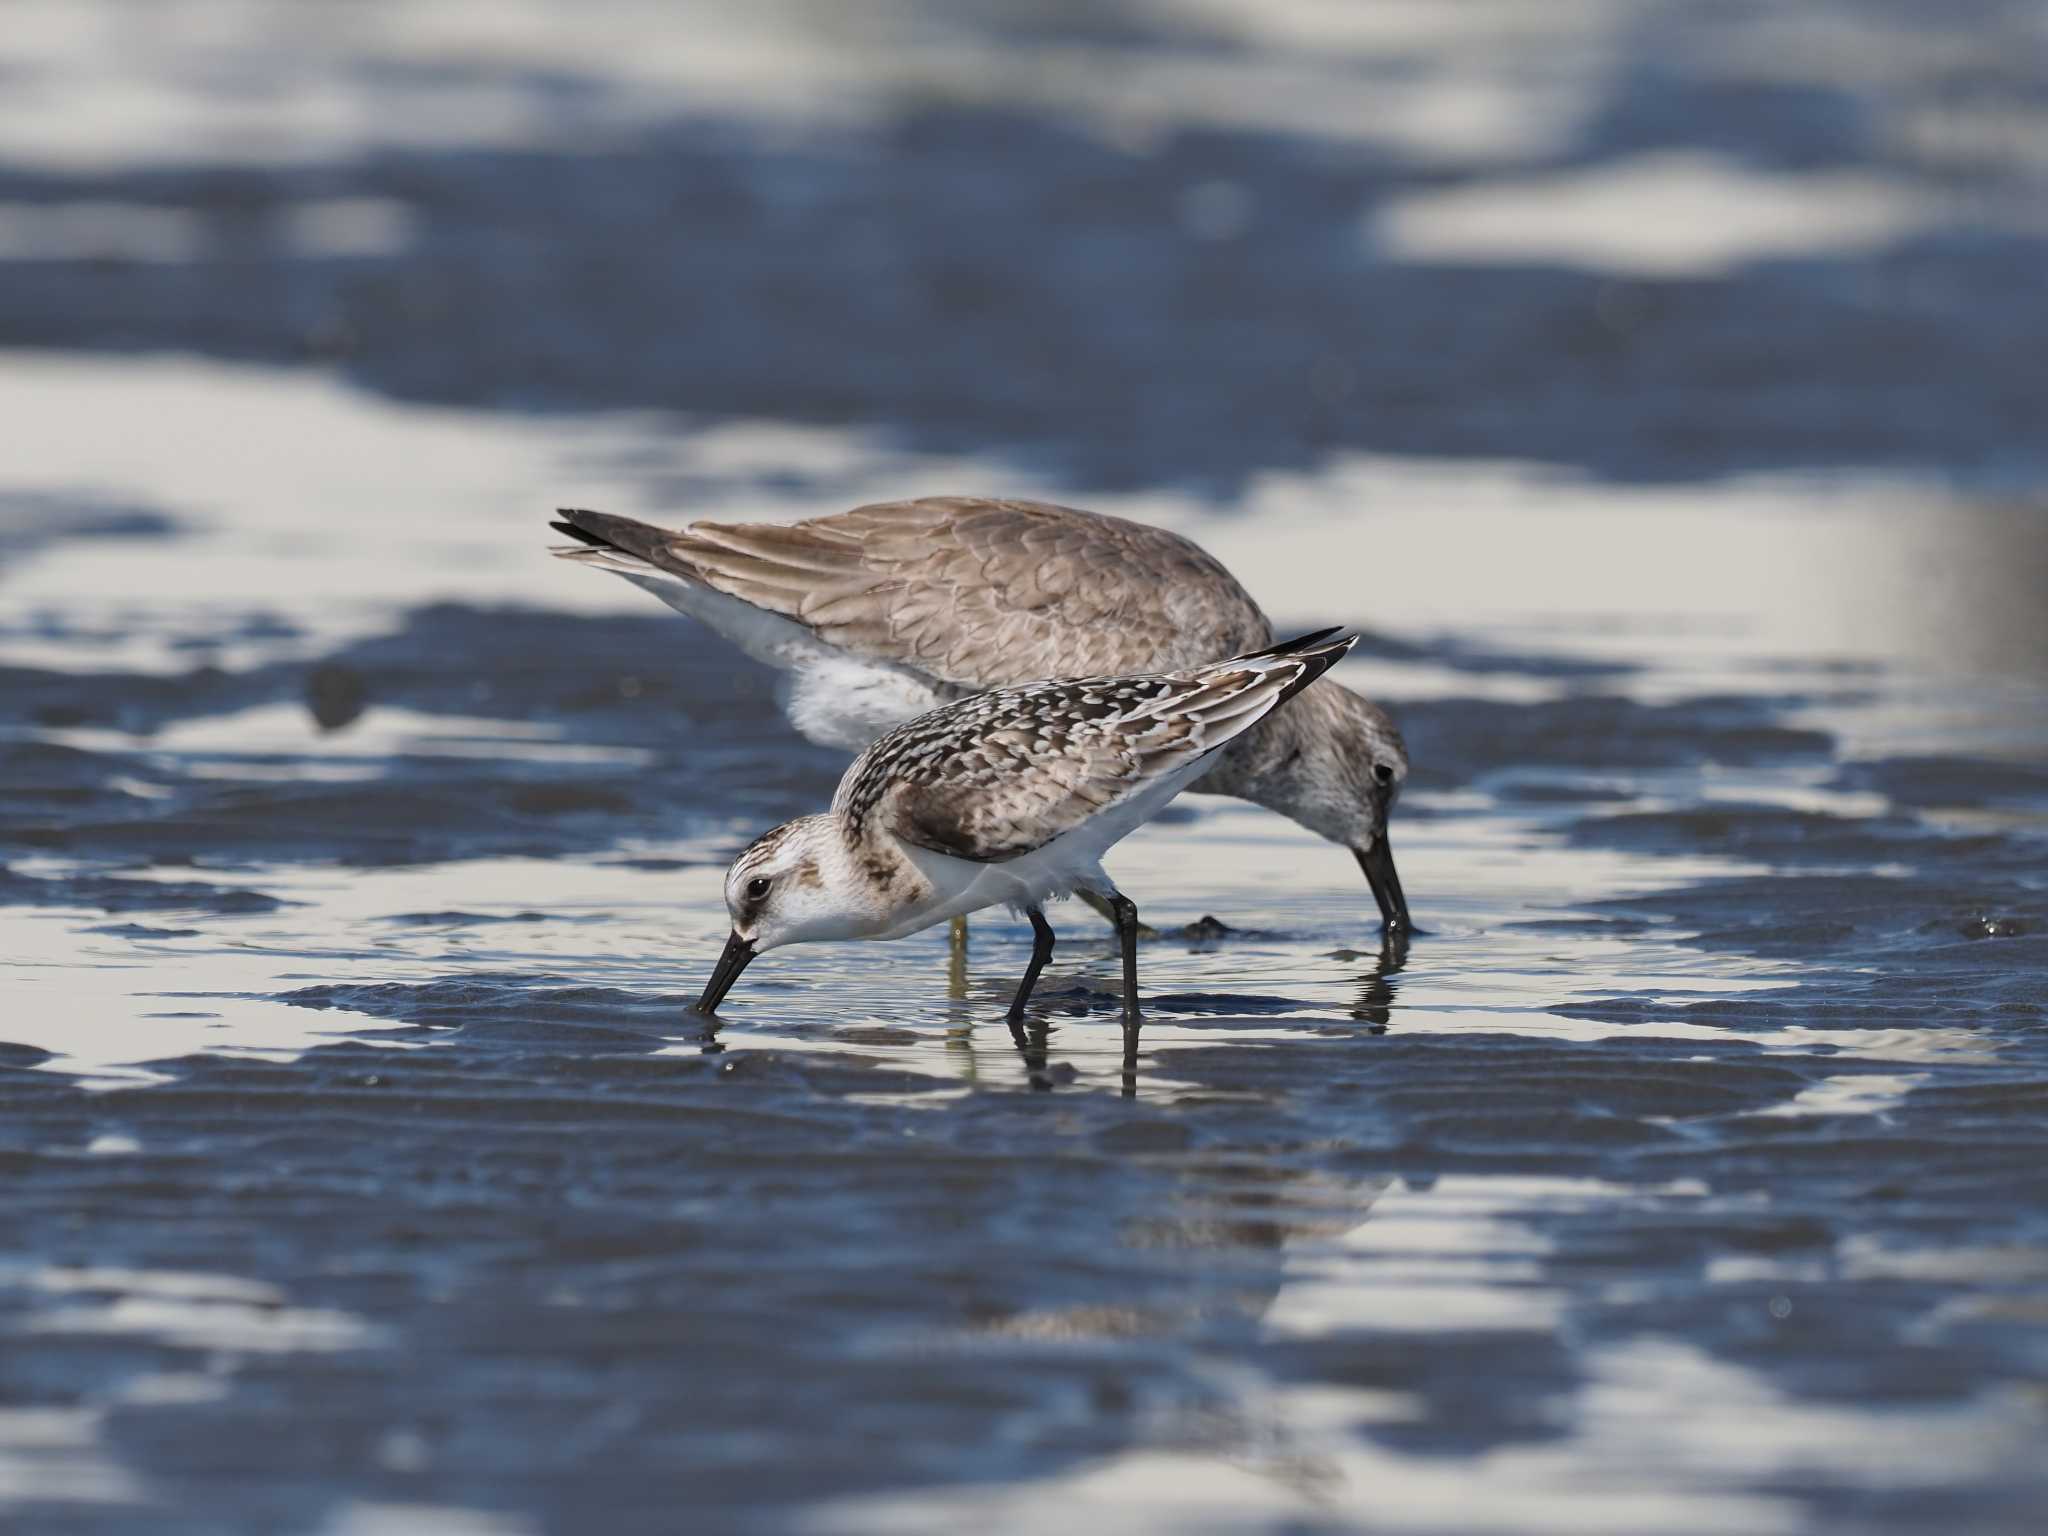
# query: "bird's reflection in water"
{"points": [[1033, 1040], [1374, 1008], [956, 960], [1375, 1005], [1033, 1036]]}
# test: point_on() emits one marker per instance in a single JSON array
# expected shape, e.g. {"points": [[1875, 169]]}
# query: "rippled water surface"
{"points": [[361, 1174]]}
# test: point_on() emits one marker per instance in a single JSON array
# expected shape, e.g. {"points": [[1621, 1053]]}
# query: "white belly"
{"points": [[832, 698], [841, 702]]}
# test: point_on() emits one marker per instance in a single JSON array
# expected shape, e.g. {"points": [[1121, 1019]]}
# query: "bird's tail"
{"points": [[606, 540]]}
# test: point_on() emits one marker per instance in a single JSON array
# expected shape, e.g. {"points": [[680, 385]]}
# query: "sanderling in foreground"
{"points": [[1007, 797], [882, 613]]}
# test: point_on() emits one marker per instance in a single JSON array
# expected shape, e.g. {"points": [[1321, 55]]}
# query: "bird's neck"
{"points": [[876, 873]]}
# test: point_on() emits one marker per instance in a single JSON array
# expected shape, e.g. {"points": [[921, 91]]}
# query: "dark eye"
{"points": [[757, 887], [1384, 772]]}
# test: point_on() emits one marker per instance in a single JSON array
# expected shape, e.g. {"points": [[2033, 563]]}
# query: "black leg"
{"points": [[1041, 951], [1103, 908], [1125, 912]]}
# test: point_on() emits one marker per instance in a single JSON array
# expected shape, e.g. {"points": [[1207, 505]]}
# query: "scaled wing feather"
{"points": [[970, 592], [1000, 774]]}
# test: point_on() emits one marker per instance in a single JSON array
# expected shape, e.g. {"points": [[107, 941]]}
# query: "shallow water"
{"points": [[362, 1173]]}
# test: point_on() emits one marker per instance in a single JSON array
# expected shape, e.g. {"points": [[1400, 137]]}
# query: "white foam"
{"points": [[1670, 214], [94, 83], [59, 1456], [212, 1325], [99, 231], [364, 1517]]}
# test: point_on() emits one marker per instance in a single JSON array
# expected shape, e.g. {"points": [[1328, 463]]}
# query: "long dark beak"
{"points": [[1378, 864], [738, 954]]}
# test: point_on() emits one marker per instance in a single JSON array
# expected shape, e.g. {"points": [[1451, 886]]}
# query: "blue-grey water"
{"points": [[1658, 384]]}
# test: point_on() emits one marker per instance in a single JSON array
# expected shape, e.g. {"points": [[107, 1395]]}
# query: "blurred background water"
{"points": [[1659, 383]]}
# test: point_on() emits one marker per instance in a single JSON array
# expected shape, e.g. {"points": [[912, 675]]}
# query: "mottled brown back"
{"points": [[976, 593], [995, 775]]}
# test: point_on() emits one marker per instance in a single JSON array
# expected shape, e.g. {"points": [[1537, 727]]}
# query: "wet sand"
{"points": [[362, 1173]]}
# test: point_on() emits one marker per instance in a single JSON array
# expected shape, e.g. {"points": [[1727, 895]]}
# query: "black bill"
{"points": [[738, 954], [1378, 864]]}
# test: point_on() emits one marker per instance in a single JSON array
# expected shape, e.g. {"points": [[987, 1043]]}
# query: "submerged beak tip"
{"points": [[734, 958], [1377, 860]]}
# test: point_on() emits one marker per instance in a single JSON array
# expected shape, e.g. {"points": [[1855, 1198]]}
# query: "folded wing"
{"points": [[966, 591], [998, 775]]}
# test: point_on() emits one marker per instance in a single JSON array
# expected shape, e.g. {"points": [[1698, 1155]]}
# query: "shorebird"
{"points": [[1008, 797], [881, 613]]}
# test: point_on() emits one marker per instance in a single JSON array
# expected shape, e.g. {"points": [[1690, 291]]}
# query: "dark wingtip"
{"points": [[1316, 652], [608, 530], [566, 521], [1298, 644], [1323, 648]]}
